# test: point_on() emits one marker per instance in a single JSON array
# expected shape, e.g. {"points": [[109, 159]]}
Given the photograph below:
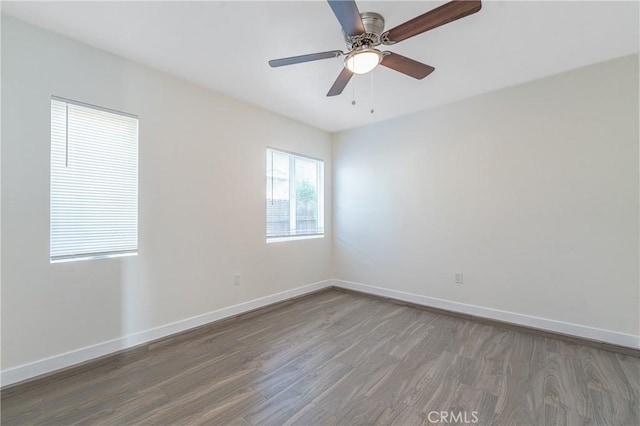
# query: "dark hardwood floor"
{"points": [[341, 358]]}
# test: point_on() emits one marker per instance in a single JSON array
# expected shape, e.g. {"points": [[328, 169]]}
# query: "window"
{"points": [[295, 194], [94, 182]]}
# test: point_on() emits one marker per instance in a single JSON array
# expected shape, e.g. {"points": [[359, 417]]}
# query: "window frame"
{"points": [[292, 197], [107, 254]]}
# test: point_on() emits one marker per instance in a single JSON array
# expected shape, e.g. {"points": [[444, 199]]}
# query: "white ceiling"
{"points": [[226, 46]]}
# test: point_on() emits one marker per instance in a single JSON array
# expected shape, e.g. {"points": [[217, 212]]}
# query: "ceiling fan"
{"points": [[364, 31]]}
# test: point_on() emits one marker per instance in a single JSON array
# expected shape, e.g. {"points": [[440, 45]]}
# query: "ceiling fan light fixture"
{"points": [[363, 61]]}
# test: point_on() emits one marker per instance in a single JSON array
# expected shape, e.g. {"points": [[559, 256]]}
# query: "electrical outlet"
{"points": [[458, 277], [236, 279]]}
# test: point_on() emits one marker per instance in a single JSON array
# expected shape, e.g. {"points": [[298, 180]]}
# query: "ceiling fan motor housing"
{"points": [[373, 26]]}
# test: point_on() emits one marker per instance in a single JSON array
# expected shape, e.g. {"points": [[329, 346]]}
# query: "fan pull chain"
{"points": [[372, 100], [353, 90]]}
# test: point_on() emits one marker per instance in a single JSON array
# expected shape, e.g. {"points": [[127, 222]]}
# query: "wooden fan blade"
{"points": [[444, 14], [348, 15], [340, 83], [406, 65], [305, 58]]}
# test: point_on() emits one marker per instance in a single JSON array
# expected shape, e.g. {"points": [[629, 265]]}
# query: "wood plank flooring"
{"points": [[341, 358]]}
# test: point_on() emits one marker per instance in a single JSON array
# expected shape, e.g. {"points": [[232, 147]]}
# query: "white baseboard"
{"points": [[598, 334], [57, 362], [64, 360]]}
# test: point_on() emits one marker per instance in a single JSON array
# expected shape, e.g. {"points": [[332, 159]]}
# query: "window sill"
{"points": [[92, 257], [295, 238]]}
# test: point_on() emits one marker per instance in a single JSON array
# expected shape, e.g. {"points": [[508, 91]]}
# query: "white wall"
{"points": [[202, 202], [531, 192]]}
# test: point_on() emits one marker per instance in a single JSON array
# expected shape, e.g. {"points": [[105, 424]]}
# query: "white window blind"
{"points": [[94, 181], [295, 195]]}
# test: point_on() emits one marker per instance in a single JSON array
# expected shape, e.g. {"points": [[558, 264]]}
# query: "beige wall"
{"points": [[202, 202], [531, 192]]}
